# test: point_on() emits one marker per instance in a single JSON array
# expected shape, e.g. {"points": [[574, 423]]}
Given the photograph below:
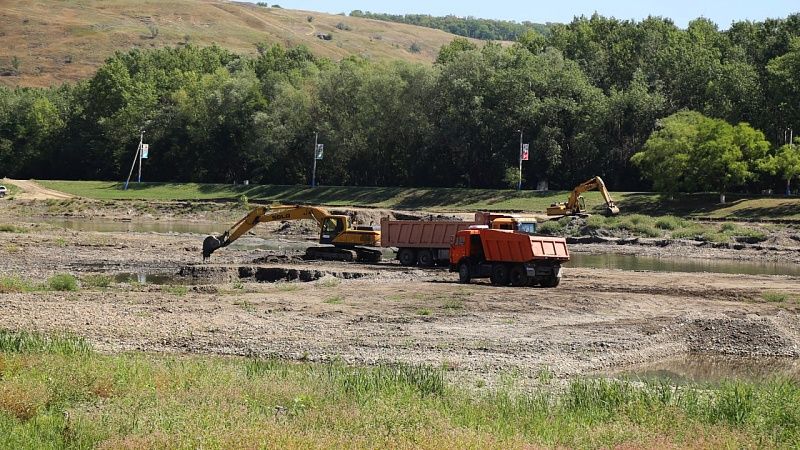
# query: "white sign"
{"points": [[320, 149], [524, 154], [145, 150]]}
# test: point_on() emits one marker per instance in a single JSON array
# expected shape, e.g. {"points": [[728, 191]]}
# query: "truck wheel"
{"points": [[407, 256], [518, 276], [499, 275], [425, 258], [551, 281], [464, 276]]}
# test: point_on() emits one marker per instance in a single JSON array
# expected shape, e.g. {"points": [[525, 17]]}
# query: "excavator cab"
{"points": [[332, 227]]}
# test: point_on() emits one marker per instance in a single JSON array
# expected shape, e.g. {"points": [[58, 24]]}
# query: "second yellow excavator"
{"points": [[347, 240], [576, 205]]}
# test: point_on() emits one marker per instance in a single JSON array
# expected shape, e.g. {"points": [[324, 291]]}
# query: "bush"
{"points": [[63, 282], [343, 26], [551, 228], [415, 48]]}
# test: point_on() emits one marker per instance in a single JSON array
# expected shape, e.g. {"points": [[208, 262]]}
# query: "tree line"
{"points": [[471, 27], [587, 97]]}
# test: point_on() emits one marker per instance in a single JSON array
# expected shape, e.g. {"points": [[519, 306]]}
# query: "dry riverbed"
{"points": [[257, 302]]}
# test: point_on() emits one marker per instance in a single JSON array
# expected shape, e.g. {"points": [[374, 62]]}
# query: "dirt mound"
{"points": [[743, 337]]}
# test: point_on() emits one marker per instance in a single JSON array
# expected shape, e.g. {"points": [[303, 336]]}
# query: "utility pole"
{"points": [[138, 157], [141, 142], [314, 154], [519, 185]]}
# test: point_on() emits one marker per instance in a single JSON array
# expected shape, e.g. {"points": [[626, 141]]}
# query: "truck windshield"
{"points": [[527, 227]]}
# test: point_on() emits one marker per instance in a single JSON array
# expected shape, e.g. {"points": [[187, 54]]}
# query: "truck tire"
{"points": [[518, 275], [499, 275], [551, 281], [407, 256], [464, 274], [425, 258]]}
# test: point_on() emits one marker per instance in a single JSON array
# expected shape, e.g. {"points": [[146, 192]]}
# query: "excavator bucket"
{"points": [[612, 210], [210, 244]]}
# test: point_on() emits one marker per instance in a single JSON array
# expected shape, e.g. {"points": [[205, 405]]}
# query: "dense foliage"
{"points": [[472, 27], [587, 97]]}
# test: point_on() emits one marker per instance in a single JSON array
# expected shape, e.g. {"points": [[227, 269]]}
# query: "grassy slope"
{"points": [[58, 393], [43, 34], [439, 199]]}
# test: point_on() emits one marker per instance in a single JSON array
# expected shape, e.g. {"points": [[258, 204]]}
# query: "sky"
{"points": [[680, 11]]}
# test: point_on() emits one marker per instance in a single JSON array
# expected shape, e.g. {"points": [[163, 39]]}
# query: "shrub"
{"points": [[63, 282], [343, 26], [415, 48], [551, 228]]}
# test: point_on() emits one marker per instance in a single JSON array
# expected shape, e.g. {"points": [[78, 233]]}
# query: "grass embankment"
{"points": [[56, 392], [445, 199], [670, 227]]}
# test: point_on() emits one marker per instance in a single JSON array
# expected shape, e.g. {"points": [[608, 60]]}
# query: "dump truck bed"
{"points": [[500, 245], [420, 233]]}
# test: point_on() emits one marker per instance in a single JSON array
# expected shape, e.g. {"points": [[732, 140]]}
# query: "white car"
{"points": [[3, 191]]}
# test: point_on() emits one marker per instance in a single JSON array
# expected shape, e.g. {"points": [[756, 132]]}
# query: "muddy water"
{"points": [[700, 368], [631, 262]]}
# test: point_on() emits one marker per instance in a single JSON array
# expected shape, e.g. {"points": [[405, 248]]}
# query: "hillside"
{"points": [[52, 41]]}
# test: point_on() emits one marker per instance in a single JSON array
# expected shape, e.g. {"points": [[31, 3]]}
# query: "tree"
{"points": [[691, 152], [786, 163]]}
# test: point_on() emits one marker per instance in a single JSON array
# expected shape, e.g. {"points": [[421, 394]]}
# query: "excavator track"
{"points": [[358, 254], [331, 254]]}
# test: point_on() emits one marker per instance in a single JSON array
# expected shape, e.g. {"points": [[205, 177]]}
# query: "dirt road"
{"points": [[596, 320], [34, 191]]}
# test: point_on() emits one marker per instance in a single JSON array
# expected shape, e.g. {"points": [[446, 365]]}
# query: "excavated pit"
{"points": [[227, 274]]}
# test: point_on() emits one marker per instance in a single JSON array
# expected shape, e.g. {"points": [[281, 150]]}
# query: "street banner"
{"points": [[524, 155], [145, 150], [320, 149]]}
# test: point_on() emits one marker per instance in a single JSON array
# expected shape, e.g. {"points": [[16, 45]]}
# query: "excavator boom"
{"points": [[575, 206], [335, 230]]}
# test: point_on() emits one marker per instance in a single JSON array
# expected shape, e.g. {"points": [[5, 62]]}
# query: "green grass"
{"points": [[59, 282], [779, 297], [691, 205], [335, 300], [55, 392], [177, 290], [7, 228], [63, 282], [96, 281]]}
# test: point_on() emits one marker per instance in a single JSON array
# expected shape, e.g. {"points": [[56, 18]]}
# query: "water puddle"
{"points": [[714, 369], [119, 226], [146, 278], [631, 262]]}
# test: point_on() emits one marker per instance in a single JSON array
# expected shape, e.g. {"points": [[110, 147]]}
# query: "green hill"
{"points": [[47, 42]]}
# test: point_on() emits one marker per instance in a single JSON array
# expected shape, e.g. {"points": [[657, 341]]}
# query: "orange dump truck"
{"points": [[508, 257], [427, 242]]}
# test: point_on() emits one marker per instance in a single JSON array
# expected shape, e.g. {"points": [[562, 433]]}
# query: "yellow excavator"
{"points": [[576, 205], [347, 241]]}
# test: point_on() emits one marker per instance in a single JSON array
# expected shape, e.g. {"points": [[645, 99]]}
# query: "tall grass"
{"points": [[27, 342], [56, 393]]}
